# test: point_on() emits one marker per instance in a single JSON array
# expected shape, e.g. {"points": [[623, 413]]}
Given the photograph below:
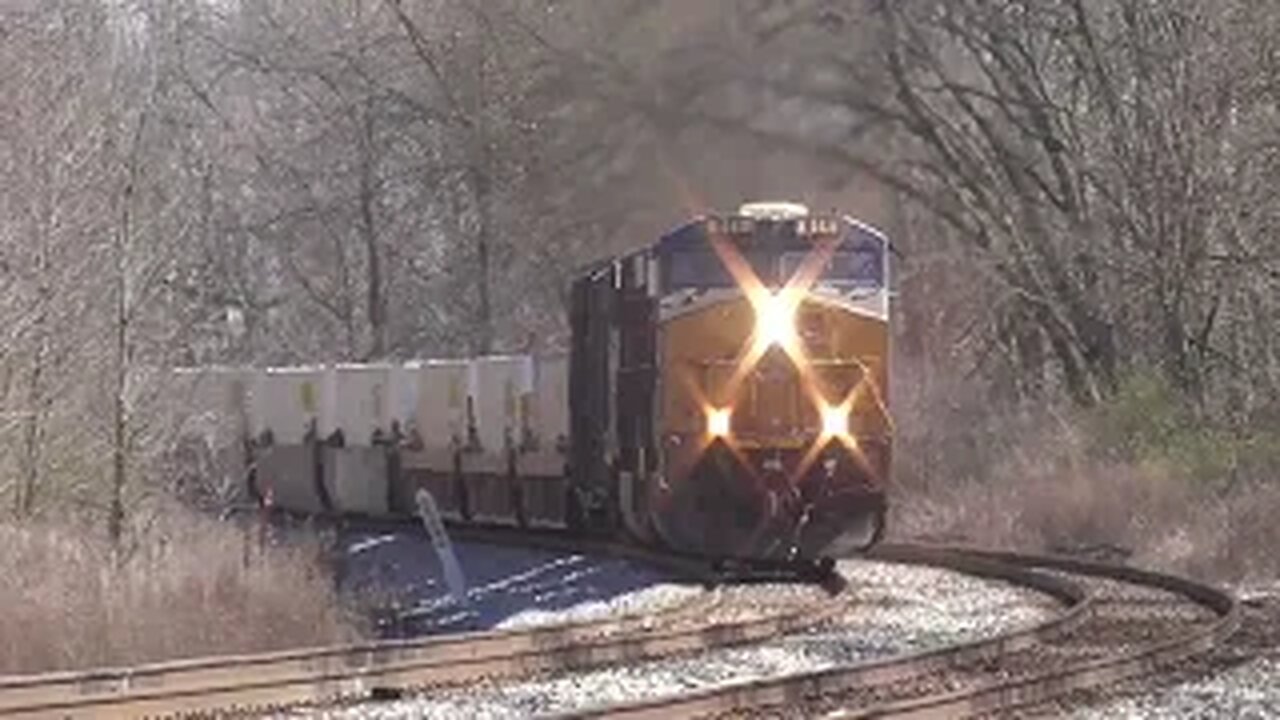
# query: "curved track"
{"points": [[1118, 623]]}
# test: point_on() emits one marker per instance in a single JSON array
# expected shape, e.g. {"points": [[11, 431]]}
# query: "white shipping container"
{"points": [[504, 390], [287, 400], [363, 402], [443, 387], [542, 469], [551, 400], [404, 395]]}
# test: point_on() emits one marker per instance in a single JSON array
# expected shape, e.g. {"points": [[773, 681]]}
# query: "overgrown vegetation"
{"points": [[1140, 475], [1148, 424], [187, 586]]}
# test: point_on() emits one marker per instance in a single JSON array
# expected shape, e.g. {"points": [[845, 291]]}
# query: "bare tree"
{"points": [[1099, 162]]}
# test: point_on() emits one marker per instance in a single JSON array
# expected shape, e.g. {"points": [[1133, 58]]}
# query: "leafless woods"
{"points": [[1078, 190]]}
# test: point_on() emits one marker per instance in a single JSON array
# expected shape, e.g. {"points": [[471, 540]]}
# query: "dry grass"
{"points": [[1053, 482], [191, 587]]}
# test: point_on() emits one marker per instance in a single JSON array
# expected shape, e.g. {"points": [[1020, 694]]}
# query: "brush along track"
{"points": [[1120, 623], [275, 680]]}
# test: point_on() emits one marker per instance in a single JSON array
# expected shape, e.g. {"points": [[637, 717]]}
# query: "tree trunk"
{"points": [[33, 430], [484, 191], [120, 406], [119, 413], [483, 342], [375, 306]]}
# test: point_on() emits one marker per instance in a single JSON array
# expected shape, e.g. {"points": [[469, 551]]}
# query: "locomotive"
{"points": [[746, 358], [724, 395]]}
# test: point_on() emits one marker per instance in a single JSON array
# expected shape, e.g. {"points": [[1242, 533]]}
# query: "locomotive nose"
{"points": [[719, 510]]}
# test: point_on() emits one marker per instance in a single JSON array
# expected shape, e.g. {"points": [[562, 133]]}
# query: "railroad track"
{"points": [[1119, 623], [268, 681], [1116, 623]]}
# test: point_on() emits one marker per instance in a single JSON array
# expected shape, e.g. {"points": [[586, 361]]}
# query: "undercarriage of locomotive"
{"points": [[764, 504]]}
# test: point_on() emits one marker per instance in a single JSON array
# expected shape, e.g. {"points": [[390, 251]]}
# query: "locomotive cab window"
{"points": [[703, 269], [854, 268], [694, 269]]}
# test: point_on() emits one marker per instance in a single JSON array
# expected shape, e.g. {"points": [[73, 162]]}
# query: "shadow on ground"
{"points": [[398, 578]]}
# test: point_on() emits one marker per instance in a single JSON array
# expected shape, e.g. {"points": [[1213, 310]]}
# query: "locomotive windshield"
{"points": [[703, 269], [695, 269], [860, 267], [774, 251], [688, 261]]}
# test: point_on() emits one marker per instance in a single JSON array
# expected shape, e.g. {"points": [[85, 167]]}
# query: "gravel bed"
{"points": [[398, 577], [894, 610], [1124, 617], [1241, 680], [1251, 690]]}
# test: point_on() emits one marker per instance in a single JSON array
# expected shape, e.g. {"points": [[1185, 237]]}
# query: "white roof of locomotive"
{"points": [[773, 210]]}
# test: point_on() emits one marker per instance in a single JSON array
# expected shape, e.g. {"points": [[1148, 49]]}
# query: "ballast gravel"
{"points": [[892, 610], [1248, 691], [1244, 683]]}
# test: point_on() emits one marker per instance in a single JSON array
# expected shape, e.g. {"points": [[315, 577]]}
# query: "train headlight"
{"points": [[835, 421], [718, 421], [775, 320]]}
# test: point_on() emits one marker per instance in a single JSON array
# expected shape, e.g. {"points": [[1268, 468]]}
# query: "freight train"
{"points": [[724, 395]]}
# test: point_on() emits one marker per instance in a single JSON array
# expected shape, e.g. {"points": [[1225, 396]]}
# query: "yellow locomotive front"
{"points": [[771, 396]]}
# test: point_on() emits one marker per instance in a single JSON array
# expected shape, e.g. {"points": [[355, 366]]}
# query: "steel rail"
{"points": [[1044, 687], [359, 671], [1024, 570], [66, 690], [265, 684]]}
